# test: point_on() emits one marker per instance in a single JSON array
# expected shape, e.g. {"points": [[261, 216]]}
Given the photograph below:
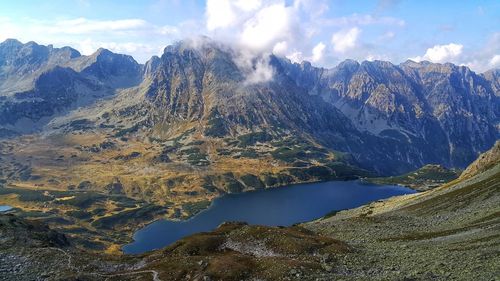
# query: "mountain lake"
{"points": [[282, 206]]}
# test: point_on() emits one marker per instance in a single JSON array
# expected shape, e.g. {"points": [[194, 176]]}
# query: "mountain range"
{"points": [[194, 111]]}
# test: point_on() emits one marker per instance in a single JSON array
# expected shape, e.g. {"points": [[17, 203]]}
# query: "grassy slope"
{"points": [[451, 232]]}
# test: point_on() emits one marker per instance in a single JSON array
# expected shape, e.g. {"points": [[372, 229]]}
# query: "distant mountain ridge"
{"points": [[436, 104], [38, 83], [388, 118]]}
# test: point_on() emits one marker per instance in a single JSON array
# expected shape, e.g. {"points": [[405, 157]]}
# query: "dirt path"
{"points": [[153, 272], [70, 265]]}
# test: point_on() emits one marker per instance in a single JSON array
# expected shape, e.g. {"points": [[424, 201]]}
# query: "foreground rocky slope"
{"points": [[450, 232]]}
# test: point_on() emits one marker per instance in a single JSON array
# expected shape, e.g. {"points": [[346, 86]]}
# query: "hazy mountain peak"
{"points": [[11, 42], [102, 52], [349, 64]]}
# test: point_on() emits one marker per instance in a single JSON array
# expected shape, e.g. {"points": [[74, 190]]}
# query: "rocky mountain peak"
{"points": [[412, 113]]}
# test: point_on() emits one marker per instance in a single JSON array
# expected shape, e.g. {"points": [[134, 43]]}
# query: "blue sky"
{"points": [[324, 32]]}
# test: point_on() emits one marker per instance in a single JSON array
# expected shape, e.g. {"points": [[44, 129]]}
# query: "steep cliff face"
{"points": [[206, 86], [447, 111], [414, 113]]}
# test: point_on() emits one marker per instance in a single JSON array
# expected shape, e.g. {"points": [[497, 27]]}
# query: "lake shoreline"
{"points": [[293, 204]]}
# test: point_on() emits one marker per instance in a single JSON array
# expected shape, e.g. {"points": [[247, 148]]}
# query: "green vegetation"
{"points": [[79, 214], [198, 159], [231, 184], [345, 171], [208, 184], [146, 213], [252, 181], [192, 208], [195, 156], [216, 126], [81, 124], [83, 200], [298, 151], [191, 150], [127, 131], [287, 154], [27, 195], [248, 153], [253, 138], [424, 178], [223, 151], [277, 179]]}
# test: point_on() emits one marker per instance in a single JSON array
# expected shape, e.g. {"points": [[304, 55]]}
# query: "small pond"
{"points": [[4, 208]]}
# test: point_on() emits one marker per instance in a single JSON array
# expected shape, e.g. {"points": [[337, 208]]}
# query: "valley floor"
{"points": [[448, 233]]}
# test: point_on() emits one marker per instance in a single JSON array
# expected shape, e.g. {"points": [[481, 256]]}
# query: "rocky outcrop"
{"points": [[484, 162]]}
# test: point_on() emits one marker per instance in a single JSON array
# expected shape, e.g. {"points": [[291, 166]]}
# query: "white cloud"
{"points": [[143, 51], [314, 8], [136, 37], [495, 61], [387, 36], [296, 56], [219, 14], [345, 39], [488, 56], [248, 5], [84, 26], [357, 19], [7, 29], [281, 48], [227, 13], [318, 52], [262, 71], [297, 29], [441, 53], [374, 57], [254, 66], [268, 27], [257, 28]]}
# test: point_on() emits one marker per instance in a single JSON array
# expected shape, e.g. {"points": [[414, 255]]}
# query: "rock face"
{"points": [[388, 118], [447, 113], [413, 113]]}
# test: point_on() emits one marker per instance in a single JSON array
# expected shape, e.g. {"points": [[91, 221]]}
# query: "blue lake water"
{"points": [[4, 208], [278, 206]]}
